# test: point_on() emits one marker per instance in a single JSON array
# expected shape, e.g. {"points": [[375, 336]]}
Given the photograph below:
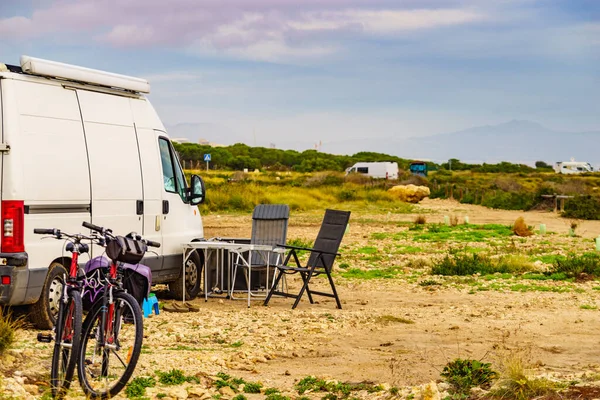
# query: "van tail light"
{"points": [[13, 219], [6, 279]]}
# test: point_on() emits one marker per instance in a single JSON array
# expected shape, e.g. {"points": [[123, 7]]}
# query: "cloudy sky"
{"points": [[265, 71]]}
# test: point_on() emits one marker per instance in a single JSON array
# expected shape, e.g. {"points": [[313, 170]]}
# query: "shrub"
{"points": [[8, 326], [453, 220], [420, 220], [463, 264], [582, 207], [520, 228], [137, 387], [251, 387], [573, 265], [466, 374], [174, 377]]}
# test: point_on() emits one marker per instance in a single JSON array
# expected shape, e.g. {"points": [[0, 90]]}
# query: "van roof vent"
{"points": [[37, 66]]}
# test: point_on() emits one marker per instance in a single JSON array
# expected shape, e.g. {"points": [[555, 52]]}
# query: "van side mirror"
{"points": [[196, 193]]}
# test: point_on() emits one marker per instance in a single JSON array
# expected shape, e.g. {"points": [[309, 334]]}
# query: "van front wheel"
{"points": [[193, 275], [43, 313]]}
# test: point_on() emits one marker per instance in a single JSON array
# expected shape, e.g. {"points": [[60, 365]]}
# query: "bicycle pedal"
{"points": [[44, 337]]}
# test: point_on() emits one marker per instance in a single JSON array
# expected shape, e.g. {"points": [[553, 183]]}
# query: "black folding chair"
{"points": [[269, 227], [320, 261]]}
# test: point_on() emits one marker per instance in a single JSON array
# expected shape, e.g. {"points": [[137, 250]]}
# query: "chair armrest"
{"points": [[307, 249]]}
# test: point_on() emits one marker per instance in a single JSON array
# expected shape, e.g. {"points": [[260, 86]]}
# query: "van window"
{"points": [[363, 170], [173, 177]]}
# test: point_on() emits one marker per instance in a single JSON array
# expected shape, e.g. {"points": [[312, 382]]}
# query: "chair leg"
{"points": [[308, 293], [304, 287], [337, 299], [273, 288]]}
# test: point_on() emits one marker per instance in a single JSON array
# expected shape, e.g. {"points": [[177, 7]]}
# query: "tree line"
{"points": [[240, 156]]}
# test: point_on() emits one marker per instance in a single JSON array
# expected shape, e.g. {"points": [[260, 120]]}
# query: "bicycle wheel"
{"points": [[110, 350], [66, 344]]}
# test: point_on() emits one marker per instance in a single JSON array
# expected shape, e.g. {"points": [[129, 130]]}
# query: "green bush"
{"points": [[582, 207], [8, 326], [574, 265], [137, 387], [251, 387], [466, 374], [463, 264]]}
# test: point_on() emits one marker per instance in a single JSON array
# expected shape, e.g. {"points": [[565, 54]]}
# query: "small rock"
{"points": [[227, 391], [177, 392], [32, 389], [197, 393]]}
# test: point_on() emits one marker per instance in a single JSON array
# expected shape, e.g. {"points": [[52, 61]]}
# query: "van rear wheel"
{"points": [[43, 313], [193, 275]]}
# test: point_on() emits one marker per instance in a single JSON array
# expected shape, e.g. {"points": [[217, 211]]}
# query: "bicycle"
{"points": [[67, 330], [112, 332]]}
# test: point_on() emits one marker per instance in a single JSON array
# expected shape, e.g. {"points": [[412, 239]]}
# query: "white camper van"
{"points": [[86, 145], [573, 167], [386, 170]]}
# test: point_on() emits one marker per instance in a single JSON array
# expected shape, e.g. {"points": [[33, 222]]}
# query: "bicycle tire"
{"points": [[95, 385], [66, 344]]}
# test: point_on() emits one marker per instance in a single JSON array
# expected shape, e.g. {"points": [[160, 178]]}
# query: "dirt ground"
{"points": [[391, 332]]}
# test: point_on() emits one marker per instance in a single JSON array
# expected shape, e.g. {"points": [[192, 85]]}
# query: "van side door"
{"points": [[115, 172]]}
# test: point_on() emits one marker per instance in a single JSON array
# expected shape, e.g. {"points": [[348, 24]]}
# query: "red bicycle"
{"points": [[67, 331]]}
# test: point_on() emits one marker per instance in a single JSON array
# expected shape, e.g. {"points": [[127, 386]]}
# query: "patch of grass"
{"points": [[237, 344], [297, 242], [514, 263], [314, 384], [239, 397], [180, 347], [387, 273], [270, 391], [464, 374], [539, 288], [8, 326], [137, 387], [463, 264], [463, 233], [252, 387], [429, 282], [514, 382], [574, 265], [588, 307], [408, 250], [392, 318], [174, 377], [368, 250], [276, 396]]}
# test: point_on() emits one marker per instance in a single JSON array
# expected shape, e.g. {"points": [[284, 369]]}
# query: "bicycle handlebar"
{"points": [[93, 227], [108, 232], [44, 231]]}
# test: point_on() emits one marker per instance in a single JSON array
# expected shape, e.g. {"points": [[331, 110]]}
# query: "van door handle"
{"points": [[139, 207], [165, 209]]}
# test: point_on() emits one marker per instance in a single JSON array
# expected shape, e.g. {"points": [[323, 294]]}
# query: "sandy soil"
{"points": [[392, 332]]}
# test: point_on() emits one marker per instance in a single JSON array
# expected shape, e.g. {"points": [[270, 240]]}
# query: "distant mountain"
{"points": [[514, 141]]}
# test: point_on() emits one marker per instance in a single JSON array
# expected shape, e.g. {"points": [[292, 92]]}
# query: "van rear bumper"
{"points": [[13, 265]]}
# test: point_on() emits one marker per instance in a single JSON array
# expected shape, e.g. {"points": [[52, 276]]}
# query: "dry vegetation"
{"points": [[527, 305]]}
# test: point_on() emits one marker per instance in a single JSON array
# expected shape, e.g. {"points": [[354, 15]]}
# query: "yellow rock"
{"points": [[410, 193]]}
